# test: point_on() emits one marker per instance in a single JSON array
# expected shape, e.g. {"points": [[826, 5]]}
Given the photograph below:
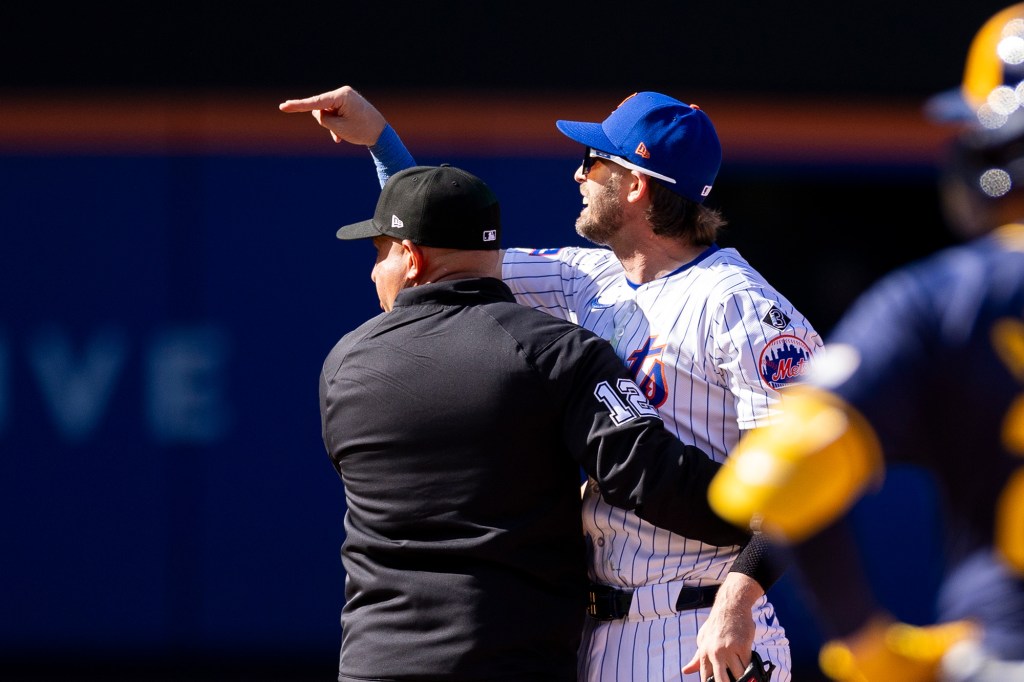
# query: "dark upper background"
{"points": [[869, 48]]}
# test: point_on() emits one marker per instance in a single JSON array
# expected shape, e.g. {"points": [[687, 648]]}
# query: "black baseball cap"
{"points": [[440, 206]]}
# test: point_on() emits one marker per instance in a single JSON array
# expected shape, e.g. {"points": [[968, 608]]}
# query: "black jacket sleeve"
{"points": [[621, 442]]}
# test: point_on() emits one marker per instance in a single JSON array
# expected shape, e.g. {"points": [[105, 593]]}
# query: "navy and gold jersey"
{"points": [[938, 369], [933, 357]]}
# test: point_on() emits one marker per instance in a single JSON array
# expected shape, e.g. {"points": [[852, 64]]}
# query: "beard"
{"points": [[601, 219]]}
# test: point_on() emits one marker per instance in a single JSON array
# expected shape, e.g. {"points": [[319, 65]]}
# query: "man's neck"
{"points": [[647, 257], [443, 264]]}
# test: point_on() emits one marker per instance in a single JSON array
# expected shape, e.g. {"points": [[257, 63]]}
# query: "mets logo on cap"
{"points": [[783, 360]]}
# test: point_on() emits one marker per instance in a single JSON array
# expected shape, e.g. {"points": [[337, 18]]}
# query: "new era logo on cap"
{"points": [[396, 222]]}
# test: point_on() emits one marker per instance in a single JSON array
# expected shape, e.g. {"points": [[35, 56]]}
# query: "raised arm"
{"points": [[350, 117]]}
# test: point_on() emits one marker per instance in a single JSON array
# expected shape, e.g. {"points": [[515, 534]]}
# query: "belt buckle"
{"points": [[608, 599]]}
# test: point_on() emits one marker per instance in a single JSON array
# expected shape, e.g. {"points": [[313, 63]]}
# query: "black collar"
{"points": [[468, 291]]}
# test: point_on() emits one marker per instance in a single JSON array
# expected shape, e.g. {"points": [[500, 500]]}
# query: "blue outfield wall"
{"points": [[164, 318]]}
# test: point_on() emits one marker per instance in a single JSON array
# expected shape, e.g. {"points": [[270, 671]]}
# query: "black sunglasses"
{"points": [[588, 161], [590, 155]]}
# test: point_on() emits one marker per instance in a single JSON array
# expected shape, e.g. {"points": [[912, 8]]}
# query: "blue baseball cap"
{"points": [[660, 136]]}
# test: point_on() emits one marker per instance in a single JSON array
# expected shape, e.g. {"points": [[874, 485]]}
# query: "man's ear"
{"points": [[639, 187], [415, 260]]}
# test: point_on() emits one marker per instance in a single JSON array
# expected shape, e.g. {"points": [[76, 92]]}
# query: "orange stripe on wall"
{"points": [[467, 124]]}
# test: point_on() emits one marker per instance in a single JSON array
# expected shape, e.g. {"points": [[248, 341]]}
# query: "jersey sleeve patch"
{"points": [[776, 319], [784, 360]]}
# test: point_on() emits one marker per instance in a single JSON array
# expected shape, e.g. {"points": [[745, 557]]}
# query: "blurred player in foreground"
{"points": [[926, 368]]}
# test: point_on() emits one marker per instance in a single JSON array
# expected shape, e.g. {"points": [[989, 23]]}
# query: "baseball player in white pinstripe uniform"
{"points": [[706, 337], [706, 344], [709, 341]]}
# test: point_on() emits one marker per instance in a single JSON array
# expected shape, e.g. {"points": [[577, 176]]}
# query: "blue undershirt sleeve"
{"points": [[390, 155]]}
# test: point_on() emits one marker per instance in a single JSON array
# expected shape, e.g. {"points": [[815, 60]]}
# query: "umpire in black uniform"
{"points": [[458, 421]]}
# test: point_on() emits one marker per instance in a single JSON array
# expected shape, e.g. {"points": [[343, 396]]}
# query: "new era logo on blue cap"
{"points": [[658, 135]]}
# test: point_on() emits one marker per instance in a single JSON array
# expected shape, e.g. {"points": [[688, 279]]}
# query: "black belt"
{"points": [[609, 603]]}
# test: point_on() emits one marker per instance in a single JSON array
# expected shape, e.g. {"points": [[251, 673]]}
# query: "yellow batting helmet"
{"points": [[993, 80]]}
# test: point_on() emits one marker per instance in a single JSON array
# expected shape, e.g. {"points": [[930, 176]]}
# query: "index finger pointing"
{"points": [[294, 106]]}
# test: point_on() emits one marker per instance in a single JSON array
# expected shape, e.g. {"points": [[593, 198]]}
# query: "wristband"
{"points": [[390, 155]]}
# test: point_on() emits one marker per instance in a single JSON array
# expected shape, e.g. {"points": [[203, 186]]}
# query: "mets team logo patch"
{"points": [[783, 360]]}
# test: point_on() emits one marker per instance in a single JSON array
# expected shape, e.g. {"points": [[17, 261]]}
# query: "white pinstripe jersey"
{"points": [[709, 344]]}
